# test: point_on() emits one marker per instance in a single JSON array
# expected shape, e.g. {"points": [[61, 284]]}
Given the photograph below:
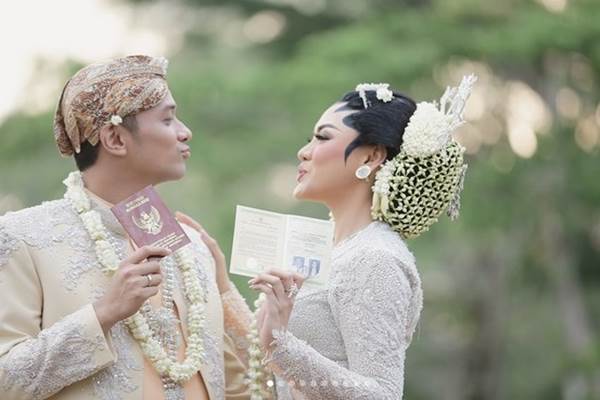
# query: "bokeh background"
{"points": [[512, 299]]}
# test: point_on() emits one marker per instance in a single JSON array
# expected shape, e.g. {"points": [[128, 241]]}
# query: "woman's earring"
{"points": [[363, 172]]}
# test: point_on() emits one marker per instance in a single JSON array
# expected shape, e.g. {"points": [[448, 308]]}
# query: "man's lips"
{"points": [[186, 153]]}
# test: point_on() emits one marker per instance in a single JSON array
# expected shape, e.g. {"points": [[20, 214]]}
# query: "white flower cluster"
{"points": [[381, 187], [382, 91], [382, 178], [430, 127], [137, 323], [92, 222], [78, 200], [116, 120], [255, 376], [427, 132]]}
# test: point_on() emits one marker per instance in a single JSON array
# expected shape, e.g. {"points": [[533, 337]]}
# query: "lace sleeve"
{"points": [[37, 363], [374, 305], [237, 317]]}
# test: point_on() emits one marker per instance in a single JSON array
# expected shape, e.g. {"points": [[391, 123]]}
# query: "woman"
{"points": [[386, 168]]}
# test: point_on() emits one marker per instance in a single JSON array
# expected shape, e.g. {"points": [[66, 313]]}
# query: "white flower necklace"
{"points": [[258, 379], [138, 325]]}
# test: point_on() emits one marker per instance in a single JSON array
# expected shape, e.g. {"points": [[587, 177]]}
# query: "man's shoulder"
{"points": [[29, 224], [13, 219]]}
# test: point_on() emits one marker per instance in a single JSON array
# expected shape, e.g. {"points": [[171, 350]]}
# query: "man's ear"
{"points": [[112, 139]]}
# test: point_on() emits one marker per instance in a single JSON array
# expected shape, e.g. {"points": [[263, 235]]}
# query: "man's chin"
{"points": [[173, 175], [178, 176]]}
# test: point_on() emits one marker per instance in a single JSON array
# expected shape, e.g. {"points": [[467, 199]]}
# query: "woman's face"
{"points": [[323, 174]]}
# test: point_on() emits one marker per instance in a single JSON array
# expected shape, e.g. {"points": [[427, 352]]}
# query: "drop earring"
{"points": [[363, 172]]}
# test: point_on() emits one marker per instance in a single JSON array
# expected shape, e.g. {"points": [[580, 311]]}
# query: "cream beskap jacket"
{"points": [[51, 343]]}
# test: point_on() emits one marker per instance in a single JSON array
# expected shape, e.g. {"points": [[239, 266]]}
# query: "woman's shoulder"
{"points": [[377, 251], [377, 241], [389, 243]]}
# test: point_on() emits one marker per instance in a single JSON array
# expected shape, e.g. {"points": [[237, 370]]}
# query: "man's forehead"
{"points": [[168, 102]]}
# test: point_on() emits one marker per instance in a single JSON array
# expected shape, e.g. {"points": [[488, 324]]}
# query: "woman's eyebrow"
{"points": [[321, 127]]}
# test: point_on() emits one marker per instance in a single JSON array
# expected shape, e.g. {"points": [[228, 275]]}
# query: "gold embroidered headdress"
{"points": [[105, 93]]}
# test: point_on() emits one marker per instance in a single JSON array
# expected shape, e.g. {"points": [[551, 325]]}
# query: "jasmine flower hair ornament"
{"points": [[381, 90], [426, 178]]}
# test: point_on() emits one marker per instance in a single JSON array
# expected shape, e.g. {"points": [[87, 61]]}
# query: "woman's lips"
{"points": [[301, 174], [186, 154]]}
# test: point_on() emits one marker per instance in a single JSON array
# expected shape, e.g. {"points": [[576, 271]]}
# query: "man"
{"points": [[64, 330]]}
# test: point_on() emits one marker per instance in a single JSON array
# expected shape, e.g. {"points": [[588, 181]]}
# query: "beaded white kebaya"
{"points": [[167, 366]]}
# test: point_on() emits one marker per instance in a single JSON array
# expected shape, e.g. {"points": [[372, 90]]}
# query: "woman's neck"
{"points": [[350, 215]]}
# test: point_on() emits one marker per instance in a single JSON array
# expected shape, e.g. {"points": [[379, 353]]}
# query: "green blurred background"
{"points": [[512, 299]]}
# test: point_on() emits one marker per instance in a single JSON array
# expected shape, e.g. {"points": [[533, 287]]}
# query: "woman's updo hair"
{"points": [[380, 123], [411, 190]]}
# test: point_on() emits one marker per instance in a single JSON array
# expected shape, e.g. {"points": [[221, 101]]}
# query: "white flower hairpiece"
{"points": [[382, 91], [410, 202], [116, 120], [430, 127]]}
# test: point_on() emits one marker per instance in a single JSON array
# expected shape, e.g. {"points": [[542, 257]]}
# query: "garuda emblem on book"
{"points": [[149, 222]]}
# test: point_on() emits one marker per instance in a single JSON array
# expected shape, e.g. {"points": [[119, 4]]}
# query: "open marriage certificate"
{"points": [[264, 239]]}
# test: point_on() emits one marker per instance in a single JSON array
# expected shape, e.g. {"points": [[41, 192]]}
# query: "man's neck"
{"points": [[112, 188]]}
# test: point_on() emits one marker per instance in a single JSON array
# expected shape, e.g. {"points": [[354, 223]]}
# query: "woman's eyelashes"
{"points": [[319, 137]]}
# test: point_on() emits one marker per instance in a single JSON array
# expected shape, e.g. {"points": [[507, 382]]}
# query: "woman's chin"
{"points": [[299, 192]]}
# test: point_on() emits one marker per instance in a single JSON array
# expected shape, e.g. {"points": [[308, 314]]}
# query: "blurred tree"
{"points": [[512, 300]]}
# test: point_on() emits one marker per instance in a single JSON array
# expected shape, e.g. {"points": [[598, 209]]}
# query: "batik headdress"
{"points": [[105, 93]]}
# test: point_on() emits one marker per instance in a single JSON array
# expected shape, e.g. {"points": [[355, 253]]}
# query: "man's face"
{"points": [[158, 150]]}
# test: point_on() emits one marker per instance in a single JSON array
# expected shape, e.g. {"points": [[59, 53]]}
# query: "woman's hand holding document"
{"points": [[264, 240]]}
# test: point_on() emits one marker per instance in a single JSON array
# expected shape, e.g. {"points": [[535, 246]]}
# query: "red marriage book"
{"points": [[149, 222]]}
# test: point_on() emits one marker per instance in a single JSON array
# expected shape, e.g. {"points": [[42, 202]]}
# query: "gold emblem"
{"points": [[149, 222]]}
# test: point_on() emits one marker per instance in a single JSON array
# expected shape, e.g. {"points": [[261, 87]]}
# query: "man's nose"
{"points": [[184, 133]]}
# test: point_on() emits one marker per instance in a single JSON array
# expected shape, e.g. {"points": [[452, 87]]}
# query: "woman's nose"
{"points": [[304, 153]]}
